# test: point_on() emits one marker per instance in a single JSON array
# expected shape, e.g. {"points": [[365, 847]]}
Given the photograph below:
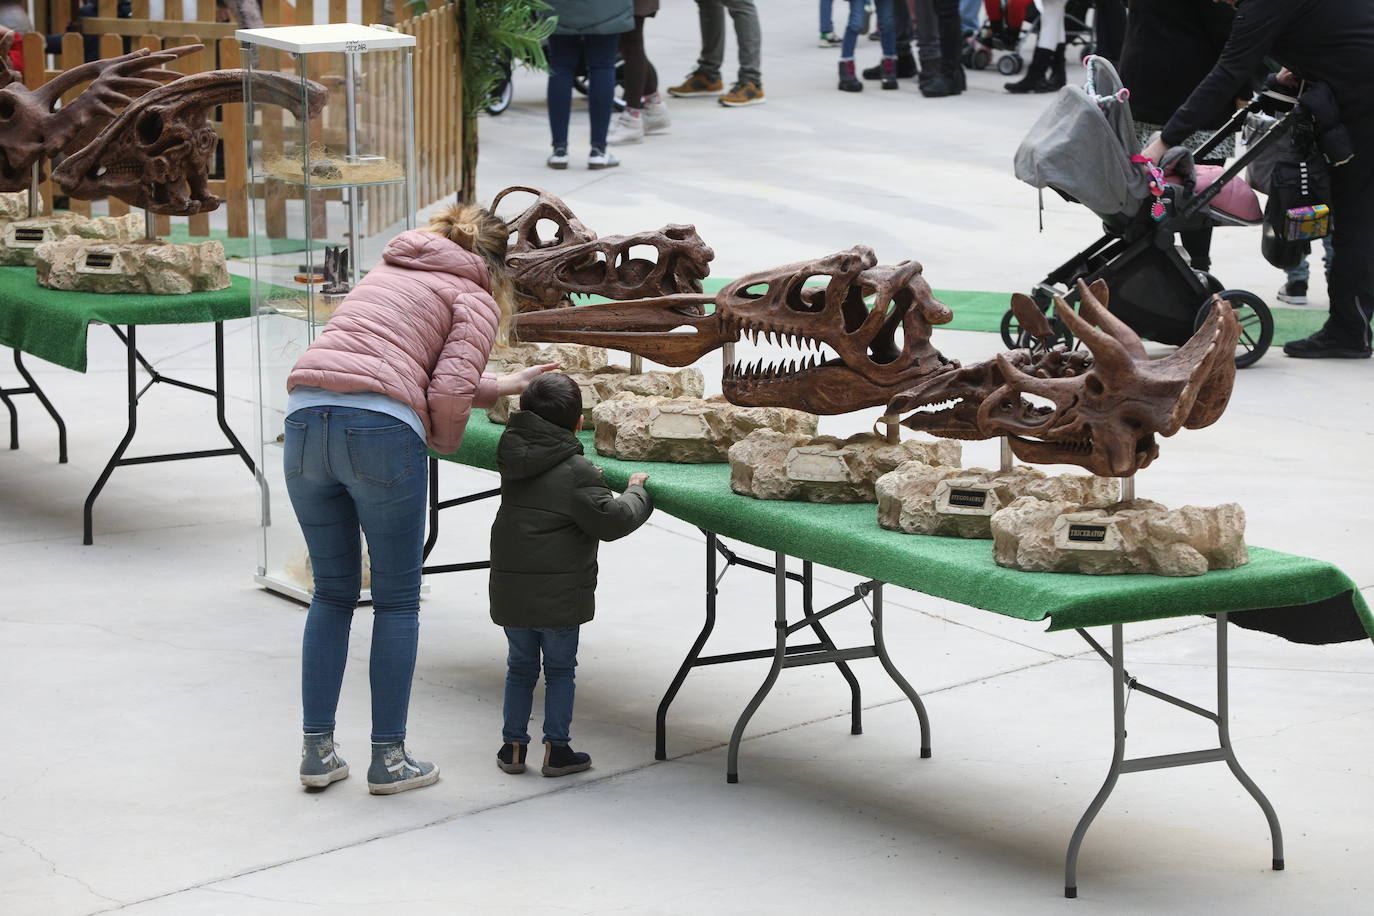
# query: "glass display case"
{"points": [[329, 124]]}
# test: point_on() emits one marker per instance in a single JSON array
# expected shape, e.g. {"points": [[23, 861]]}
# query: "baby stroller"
{"points": [[1010, 22], [1153, 289]]}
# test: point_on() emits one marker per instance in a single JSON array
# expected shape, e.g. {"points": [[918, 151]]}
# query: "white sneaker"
{"points": [[600, 159], [628, 127], [558, 159], [656, 120]]}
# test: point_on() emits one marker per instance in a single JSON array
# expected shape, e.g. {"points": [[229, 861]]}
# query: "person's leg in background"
{"points": [[1045, 73], [852, 30], [329, 524], [563, 52], [828, 37], [628, 126], [705, 76], [748, 88], [1109, 29], [1350, 282], [887, 35], [1294, 289], [905, 35], [933, 80], [600, 53], [951, 44], [969, 20]]}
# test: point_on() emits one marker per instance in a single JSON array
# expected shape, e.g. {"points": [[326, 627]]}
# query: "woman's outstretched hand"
{"points": [[517, 382]]}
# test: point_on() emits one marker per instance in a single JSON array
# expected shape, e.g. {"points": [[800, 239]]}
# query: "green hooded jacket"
{"points": [[554, 511]]}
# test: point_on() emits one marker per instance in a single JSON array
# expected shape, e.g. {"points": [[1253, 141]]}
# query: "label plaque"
{"points": [[1094, 532], [1090, 534], [965, 497], [679, 426], [27, 236], [99, 262]]}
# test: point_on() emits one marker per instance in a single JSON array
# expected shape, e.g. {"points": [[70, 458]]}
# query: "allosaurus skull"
{"points": [[158, 153], [572, 261], [1102, 414], [32, 131], [876, 319]]}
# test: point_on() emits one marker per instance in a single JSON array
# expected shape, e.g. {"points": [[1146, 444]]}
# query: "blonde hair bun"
{"points": [[483, 233]]}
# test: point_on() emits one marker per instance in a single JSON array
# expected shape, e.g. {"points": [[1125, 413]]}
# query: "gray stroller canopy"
{"points": [[1082, 145]]}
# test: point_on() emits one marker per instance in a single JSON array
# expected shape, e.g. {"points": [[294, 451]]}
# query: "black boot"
{"points": [[1057, 79], [848, 82], [953, 71], [932, 82], [906, 66], [951, 46], [1037, 74], [889, 66]]}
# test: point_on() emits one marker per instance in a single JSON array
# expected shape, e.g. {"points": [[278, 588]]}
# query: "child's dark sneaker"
{"points": [[320, 762], [511, 758], [848, 82], [561, 760], [1294, 292], [394, 770], [889, 66]]}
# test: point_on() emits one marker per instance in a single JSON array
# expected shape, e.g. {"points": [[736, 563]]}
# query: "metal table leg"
{"points": [[688, 663], [435, 505], [32, 387], [779, 656], [133, 360], [1122, 681]]}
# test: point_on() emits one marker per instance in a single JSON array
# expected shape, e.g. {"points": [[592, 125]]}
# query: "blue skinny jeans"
{"points": [[564, 52], [887, 28], [827, 16], [346, 470], [559, 650]]}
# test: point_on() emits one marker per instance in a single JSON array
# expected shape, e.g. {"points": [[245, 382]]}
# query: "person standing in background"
{"points": [[1045, 73], [1195, 34], [1327, 41], [644, 113], [587, 29], [705, 79]]}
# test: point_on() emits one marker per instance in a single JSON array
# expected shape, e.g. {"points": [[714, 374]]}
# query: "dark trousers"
{"points": [[937, 28], [1351, 283], [564, 52], [641, 78]]}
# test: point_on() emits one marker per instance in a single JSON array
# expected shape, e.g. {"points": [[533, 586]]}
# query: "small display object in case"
{"points": [[325, 196]]}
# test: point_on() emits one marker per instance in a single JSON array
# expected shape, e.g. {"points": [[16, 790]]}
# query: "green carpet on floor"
{"points": [[238, 249]]}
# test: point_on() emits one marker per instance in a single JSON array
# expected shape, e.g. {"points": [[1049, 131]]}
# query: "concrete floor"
{"points": [[150, 689]]}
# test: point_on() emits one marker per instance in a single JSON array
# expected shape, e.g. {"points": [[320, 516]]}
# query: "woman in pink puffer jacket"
{"points": [[400, 364]]}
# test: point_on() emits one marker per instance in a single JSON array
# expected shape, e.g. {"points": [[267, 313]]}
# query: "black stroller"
{"points": [[1153, 289]]}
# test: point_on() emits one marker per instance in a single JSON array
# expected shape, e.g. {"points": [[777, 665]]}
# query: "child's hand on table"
{"points": [[638, 478]]}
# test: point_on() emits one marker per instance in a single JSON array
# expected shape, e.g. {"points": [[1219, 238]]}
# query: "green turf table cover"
{"points": [[848, 538], [51, 324]]}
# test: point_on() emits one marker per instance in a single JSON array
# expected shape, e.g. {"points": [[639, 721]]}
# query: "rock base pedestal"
{"points": [[20, 239], [15, 205], [155, 267], [1140, 536], [686, 430], [605, 383], [824, 469], [959, 502]]}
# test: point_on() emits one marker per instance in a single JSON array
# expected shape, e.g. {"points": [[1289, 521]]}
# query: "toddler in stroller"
{"points": [[1083, 148]]}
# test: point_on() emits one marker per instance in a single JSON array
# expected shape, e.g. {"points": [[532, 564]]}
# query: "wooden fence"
{"points": [[436, 95]]}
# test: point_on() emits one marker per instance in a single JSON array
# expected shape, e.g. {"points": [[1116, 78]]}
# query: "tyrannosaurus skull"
{"points": [[33, 129], [866, 332], [158, 153], [572, 261], [1102, 414]]}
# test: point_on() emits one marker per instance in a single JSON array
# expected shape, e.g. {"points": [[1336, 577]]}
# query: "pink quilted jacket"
{"points": [[418, 328]]}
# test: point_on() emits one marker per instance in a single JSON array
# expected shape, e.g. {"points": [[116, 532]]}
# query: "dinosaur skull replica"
{"points": [[158, 153], [32, 131], [876, 319], [548, 271], [1102, 414]]}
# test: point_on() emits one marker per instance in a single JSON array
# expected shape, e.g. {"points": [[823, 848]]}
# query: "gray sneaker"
{"points": [[394, 770], [320, 761]]}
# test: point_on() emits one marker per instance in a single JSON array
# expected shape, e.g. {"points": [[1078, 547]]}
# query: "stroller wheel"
{"points": [[1017, 339], [980, 59], [1009, 65], [1212, 283], [1256, 324]]}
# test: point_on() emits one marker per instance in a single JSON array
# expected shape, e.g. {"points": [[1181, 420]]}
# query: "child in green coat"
{"points": [[555, 510]]}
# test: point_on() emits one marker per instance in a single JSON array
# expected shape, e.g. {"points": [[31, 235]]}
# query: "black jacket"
{"points": [[1170, 46], [554, 511], [1329, 41]]}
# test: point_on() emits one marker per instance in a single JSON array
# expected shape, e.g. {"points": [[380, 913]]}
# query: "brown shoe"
{"points": [[697, 83], [746, 93]]}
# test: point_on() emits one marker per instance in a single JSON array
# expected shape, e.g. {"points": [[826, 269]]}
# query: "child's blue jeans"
{"points": [[887, 28], [559, 650]]}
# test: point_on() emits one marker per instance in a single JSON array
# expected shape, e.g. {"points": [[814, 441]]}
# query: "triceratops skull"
{"points": [[33, 129], [548, 272], [1102, 414], [876, 320], [158, 153]]}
